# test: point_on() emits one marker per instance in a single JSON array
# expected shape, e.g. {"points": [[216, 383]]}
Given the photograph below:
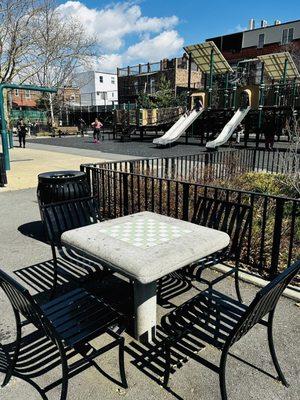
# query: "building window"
{"points": [[261, 40], [101, 79], [152, 85], [136, 87], [287, 35], [16, 92], [291, 35], [98, 93], [103, 96], [112, 95], [27, 94], [113, 80]]}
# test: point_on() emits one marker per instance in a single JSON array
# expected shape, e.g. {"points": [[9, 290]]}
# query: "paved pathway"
{"points": [[36, 158]]}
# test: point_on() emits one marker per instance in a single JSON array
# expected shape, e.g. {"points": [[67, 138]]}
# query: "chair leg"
{"points": [[222, 376], [237, 283], [272, 350], [65, 372], [159, 290], [12, 365], [54, 286], [167, 350], [122, 363]]}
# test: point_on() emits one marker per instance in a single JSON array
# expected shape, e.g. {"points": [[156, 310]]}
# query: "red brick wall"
{"points": [[252, 52]]}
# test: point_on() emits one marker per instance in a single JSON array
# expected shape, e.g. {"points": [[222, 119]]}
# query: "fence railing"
{"points": [[273, 239], [209, 166]]}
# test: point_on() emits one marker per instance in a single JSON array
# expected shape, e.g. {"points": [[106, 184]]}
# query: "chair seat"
{"points": [[79, 316], [210, 315]]}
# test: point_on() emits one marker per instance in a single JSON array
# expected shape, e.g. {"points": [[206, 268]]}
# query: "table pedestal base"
{"points": [[145, 311]]}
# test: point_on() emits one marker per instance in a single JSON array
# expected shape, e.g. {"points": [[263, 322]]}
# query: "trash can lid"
{"points": [[61, 175]]}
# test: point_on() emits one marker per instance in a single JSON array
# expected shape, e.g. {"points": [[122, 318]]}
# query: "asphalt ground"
{"points": [[250, 373], [135, 147]]}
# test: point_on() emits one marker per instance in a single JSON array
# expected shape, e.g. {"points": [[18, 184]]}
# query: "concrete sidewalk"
{"points": [[27, 163], [21, 245]]}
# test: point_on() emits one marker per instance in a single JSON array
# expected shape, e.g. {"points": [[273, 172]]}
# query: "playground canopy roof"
{"points": [[201, 54], [275, 65]]}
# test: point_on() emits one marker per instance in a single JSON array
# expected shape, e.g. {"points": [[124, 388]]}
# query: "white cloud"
{"points": [[113, 25], [109, 62], [166, 44]]}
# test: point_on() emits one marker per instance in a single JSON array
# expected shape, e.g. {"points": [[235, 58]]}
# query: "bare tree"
{"points": [[16, 17], [62, 48], [40, 46]]}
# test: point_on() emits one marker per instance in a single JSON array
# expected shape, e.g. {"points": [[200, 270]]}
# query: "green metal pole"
{"points": [[211, 71], [285, 71], [189, 81], [283, 82], [5, 147], [261, 95], [294, 93], [261, 103], [234, 96], [226, 91]]}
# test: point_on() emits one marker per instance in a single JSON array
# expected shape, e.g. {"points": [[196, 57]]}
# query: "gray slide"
{"points": [[229, 128], [178, 128]]}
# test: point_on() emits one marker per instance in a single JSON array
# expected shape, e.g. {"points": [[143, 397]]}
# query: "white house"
{"points": [[97, 88]]}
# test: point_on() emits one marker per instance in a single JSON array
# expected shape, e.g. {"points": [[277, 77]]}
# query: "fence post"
{"points": [[277, 237], [125, 194], [185, 201], [254, 159]]}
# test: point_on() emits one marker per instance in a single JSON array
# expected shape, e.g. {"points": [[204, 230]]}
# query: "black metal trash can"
{"points": [[59, 186], [3, 177]]}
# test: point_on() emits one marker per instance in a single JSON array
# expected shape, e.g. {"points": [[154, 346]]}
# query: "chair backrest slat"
{"points": [[232, 218], [264, 302], [23, 302], [67, 215]]}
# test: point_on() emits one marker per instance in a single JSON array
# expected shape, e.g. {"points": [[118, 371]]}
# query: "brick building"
{"points": [[258, 41], [146, 78], [24, 98], [266, 39]]}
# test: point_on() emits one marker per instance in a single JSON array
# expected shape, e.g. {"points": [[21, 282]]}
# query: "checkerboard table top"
{"points": [[145, 232], [146, 246]]}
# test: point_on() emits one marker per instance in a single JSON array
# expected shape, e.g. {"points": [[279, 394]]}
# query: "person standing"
{"points": [[22, 130], [29, 128], [97, 125], [81, 126]]}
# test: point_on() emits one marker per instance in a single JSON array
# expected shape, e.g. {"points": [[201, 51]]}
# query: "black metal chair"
{"points": [[221, 321], [232, 218], [225, 216], [69, 321], [64, 216]]}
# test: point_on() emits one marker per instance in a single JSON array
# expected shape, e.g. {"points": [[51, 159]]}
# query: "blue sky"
{"points": [[130, 32]]}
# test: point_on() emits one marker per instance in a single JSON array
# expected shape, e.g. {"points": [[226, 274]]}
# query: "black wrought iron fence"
{"points": [[273, 239], [208, 166]]}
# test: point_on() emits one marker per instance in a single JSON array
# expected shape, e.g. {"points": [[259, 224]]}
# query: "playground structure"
{"points": [[6, 135], [262, 94]]}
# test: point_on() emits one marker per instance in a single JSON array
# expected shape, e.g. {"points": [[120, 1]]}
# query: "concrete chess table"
{"points": [[145, 247]]}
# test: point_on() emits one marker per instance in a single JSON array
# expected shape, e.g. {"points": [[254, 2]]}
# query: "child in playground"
{"points": [[97, 125], [197, 107]]}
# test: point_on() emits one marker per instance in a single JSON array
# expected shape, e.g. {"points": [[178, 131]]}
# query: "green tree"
{"points": [[164, 97], [144, 101]]}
